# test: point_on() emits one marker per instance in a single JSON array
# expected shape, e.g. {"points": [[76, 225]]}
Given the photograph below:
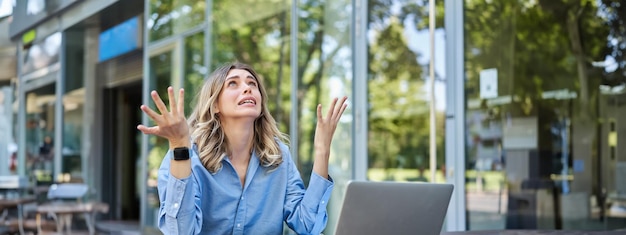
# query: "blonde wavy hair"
{"points": [[208, 133]]}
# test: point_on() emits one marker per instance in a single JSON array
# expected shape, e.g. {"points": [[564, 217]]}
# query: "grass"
{"points": [[492, 180]]}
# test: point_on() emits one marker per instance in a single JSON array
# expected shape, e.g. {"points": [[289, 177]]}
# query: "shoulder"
{"points": [[284, 148], [285, 152], [282, 144]]}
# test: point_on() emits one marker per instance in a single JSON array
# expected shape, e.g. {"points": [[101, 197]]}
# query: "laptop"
{"points": [[393, 208]]}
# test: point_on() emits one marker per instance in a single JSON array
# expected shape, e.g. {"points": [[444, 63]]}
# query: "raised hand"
{"points": [[324, 131], [170, 124]]}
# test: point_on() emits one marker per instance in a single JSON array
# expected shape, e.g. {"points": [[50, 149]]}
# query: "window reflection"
{"points": [[171, 17], [398, 92], [553, 109], [42, 54], [6, 7], [325, 72], [34, 7], [40, 108], [73, 108], [160, 77], [73, 103], [195, 70], [260, 39]]}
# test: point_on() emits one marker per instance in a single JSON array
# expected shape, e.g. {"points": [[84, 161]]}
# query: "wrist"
{"points": [[179, 143]]}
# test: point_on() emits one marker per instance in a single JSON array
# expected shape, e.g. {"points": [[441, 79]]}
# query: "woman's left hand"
{"points": [[326, 126]]}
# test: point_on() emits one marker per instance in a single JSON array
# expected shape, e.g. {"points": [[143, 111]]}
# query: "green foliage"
{"points": [[532, 47], [399, 124], [170, 17]]}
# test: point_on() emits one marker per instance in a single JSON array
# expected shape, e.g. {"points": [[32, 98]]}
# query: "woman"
{"points": [[228, 170]]}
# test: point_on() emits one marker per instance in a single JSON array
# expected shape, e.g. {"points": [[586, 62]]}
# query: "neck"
{"points": [[240, 136]]}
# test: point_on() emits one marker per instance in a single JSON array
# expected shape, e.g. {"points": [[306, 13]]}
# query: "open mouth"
{"points": [[247, 101]]}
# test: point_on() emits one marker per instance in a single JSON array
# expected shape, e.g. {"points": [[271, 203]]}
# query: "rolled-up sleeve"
{"points": [[179, 212], [306, 209]]}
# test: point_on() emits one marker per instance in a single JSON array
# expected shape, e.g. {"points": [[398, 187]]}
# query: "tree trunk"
{"points": [[573, 16]]}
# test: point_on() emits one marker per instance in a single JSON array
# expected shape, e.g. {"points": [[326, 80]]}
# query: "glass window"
{"points": [[42, 54], [6, 8], [399, 89], [7, 123], [260, 39], [73, 106], [171, 17], [195, 70], [161, 76], [325, 72], [40, 108], [545, 98]]}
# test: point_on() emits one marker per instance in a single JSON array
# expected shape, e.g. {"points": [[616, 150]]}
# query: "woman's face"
{"points": [[240, 97]]}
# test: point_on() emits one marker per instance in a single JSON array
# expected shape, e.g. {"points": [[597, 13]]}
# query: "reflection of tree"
{"points": [[538, 48], [615, 11], [542, 46], [174, 16], [263, 41], [260, 41], [399, 106]]}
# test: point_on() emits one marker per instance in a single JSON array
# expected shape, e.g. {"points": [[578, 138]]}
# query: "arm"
{"points": [[305, 210], [180, 201], [179, 195], [324, 131]]}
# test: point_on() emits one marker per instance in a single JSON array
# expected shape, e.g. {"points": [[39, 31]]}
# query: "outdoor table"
{"points": [[8, 203], [62, 213]]}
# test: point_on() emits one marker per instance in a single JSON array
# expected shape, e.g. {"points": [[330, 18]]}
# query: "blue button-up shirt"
{"points": [[217, 204]]}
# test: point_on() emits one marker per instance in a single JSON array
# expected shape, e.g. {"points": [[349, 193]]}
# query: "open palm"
{"points": [[170, 124]]}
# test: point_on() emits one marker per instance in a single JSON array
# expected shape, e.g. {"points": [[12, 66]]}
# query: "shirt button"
{"points": [[238, 225], [242, 198], [323, 202], [175, 205]]}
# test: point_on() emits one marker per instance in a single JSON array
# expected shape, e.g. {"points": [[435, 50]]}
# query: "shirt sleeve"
{"points": [[179, 211], [305, 210]]}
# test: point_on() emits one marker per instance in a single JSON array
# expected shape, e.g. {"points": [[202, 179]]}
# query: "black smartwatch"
{"points": [[181, 153]]}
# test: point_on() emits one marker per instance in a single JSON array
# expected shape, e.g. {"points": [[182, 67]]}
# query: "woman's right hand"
{"points": [[170, 124]]}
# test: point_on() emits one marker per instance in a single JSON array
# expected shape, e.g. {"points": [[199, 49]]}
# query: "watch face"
{"points": [[181, 153]]}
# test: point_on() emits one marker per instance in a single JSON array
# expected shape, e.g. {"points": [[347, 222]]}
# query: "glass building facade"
{"points": [[526, 98]]}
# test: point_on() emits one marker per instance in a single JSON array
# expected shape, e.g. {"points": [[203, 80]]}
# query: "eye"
{"points": [[231, 83], [252, 83]]}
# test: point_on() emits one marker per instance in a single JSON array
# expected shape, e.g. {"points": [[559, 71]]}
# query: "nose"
{"points": [[247, 89]]}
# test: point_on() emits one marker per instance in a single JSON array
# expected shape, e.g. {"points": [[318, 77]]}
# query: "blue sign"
{"points": [[119, 39]]}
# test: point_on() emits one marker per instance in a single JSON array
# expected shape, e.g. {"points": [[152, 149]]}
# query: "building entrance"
{"points": [[121, 150]]}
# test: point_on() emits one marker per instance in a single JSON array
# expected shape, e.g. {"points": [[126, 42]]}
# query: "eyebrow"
{"points": [[237, 76]]}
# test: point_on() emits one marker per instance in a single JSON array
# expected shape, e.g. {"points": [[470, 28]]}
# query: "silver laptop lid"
{"points": [[393, 208]]}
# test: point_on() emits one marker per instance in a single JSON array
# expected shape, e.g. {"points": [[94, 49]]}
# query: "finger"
{"points": [[151, 113], [331, 109], [319, 112], [181, 101], [172, 100], [148, 130], [343, 108], [159, 103], [339, 107]]}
